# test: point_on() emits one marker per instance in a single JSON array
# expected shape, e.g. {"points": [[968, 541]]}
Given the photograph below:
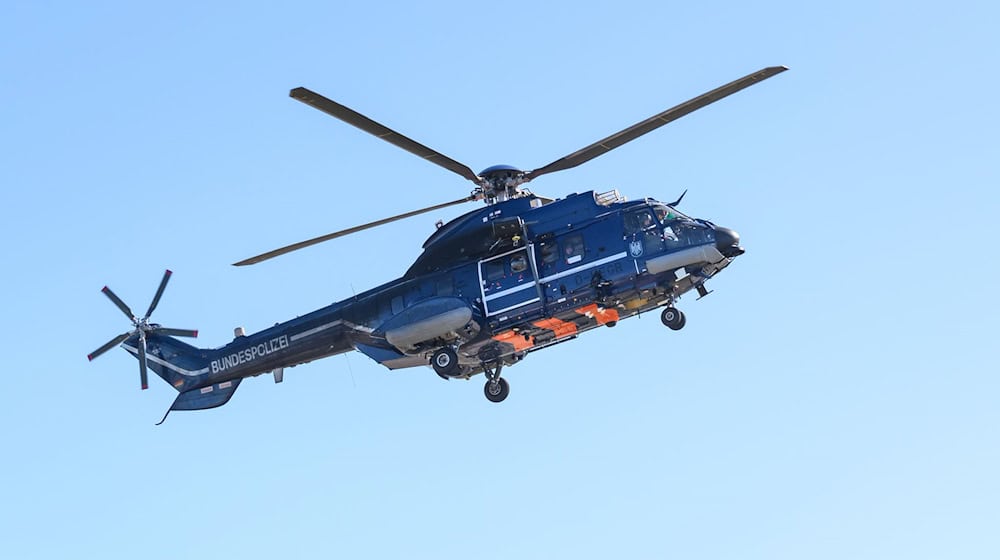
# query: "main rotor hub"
{"points": [[501, 182]]}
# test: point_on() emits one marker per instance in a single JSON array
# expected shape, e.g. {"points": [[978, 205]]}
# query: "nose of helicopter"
{"points": [[728, 242]]}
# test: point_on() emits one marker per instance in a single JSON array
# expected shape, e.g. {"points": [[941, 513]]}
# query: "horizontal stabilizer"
{"points": [[205, 397]]}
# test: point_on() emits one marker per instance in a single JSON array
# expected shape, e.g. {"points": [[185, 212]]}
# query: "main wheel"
{"points": [[673, 318], [498, 390], [445, 362]]}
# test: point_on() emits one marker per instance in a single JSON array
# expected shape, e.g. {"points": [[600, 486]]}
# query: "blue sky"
{"points": [[834, 398]]}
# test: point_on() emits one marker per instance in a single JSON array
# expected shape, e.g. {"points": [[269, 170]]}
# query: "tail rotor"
{"points": [[142, 328]]}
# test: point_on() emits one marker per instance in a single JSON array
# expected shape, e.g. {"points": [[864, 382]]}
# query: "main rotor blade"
{"points": [[652, 123], [142, 363], [117, 301], [343, 232], [355, 118], [159, 292], [176, 332], [108, 346]]}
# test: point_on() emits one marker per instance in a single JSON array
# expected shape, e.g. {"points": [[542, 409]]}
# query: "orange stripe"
{"points": [[601, 314], [558, 327], [515, 339]]}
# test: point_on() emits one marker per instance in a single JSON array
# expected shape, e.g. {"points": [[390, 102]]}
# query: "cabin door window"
{"points": [[508, 281]]}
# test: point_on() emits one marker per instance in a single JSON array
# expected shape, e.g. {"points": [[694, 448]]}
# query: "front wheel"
{"points": [[497, 389], [673, 318], [445, 362]]}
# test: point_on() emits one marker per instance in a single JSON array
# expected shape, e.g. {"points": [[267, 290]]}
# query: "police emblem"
{"points": [[635, 248]]}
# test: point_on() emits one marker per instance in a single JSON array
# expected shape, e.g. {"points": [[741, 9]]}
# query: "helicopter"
{"points": [[520, 274]]}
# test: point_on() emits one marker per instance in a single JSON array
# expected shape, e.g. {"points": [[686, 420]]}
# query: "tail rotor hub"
{"points": [[142, 328]]}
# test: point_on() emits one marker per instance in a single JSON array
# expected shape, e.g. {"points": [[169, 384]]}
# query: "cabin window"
{"points": [[550, 252], [397, 305], [518, 263], [573, 249], [494, 270]]}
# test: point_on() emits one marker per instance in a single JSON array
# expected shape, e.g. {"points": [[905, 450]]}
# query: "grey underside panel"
{"points": [[405, 362], [684, 257], [390, 358]]}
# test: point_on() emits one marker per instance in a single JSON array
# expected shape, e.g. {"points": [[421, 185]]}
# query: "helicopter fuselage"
{"points": [[492, 285]]}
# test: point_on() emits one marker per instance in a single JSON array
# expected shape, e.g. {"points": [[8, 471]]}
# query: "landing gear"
{"points": [[673, 318], [445, 362], [496, 388]]}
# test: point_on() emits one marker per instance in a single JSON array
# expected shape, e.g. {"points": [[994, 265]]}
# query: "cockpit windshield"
{"points": [[668, 214], [681, 233]]}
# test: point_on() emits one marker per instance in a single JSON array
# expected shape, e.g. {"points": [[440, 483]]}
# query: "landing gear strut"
{"points": [[496, 388], [673, 318], [445, 362]]}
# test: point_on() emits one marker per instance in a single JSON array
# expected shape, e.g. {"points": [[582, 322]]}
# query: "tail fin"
{"points": [[181, 365], [185, 368]]}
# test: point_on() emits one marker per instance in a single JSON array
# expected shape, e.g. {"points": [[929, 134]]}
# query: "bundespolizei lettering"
{"points": [[250, 354]]}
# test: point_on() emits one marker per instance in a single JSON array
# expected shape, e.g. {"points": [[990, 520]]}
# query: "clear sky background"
{"points": [[836, 397]]}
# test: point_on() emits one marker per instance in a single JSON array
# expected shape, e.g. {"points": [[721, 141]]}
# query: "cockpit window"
{"points": [[639, 220], [683, 232], [667, 214]]}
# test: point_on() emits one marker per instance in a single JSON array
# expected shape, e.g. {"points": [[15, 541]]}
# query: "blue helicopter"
{"points": [[521, 274]]}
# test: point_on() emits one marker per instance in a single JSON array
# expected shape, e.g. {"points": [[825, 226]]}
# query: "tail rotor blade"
{"points": [[110, 344], [176, 332], [142, 363], [159, 292], [117, 301]]}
